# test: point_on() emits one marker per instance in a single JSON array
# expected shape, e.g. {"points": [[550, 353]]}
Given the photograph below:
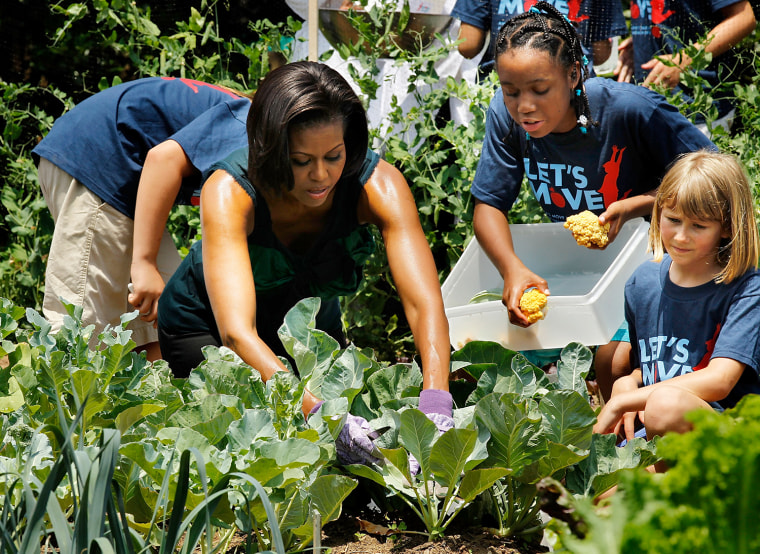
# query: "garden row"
{"points": [[98, 444], [101, 449]]}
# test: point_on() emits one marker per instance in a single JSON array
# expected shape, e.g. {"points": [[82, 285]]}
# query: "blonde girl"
{"points": [[694, 312]]}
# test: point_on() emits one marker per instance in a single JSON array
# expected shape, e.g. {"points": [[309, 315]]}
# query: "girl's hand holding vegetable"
{"points": [[514, 287]]}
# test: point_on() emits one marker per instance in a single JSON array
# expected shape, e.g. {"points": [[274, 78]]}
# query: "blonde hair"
{"points": [[711, 186]]}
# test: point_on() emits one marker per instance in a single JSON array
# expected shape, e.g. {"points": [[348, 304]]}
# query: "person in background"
{"points": [[660, 30], [597, 22], [583, 144], [288, 218], [693, 313], [110, 170]]}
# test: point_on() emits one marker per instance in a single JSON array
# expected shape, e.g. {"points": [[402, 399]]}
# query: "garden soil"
{"points": [[353, 535], [346, 537]]}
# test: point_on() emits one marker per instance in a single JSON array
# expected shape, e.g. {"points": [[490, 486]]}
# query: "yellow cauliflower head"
{"points": [[587, 230], [532, 303]]}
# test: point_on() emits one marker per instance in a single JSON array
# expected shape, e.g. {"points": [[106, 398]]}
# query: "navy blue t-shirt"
{"points": [[103, 141], [676, 330], [638, 136], [595, 19], [665, 26]]}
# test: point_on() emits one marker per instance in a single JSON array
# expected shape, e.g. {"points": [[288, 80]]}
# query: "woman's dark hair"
{"points": [[295, 95], [545, 28]]}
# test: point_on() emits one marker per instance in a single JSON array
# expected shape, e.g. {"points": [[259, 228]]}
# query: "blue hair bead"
{"points": [[583, 130], [585, 60], [578, 92], [527, 135], [534, 9]]}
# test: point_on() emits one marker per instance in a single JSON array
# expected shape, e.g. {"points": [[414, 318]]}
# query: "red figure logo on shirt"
{"points": [[609, 189], [710, 344], [574, 8], [658, 11], [635, 10]]}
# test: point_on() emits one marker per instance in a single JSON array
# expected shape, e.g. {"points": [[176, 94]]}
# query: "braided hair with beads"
{"points": [[545, 28]]}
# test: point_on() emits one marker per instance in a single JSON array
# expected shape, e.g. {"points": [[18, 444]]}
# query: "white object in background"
{"points": [[586, 301], [608, 66], [393, 77]]}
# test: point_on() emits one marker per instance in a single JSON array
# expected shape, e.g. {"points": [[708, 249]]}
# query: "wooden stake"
{"points": [[313, 18]]}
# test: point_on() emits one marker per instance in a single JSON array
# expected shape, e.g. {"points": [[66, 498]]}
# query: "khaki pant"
{"points": [[90, 257]]}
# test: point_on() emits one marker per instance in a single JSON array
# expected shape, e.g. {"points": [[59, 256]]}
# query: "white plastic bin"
{"points": [[586, 302]]}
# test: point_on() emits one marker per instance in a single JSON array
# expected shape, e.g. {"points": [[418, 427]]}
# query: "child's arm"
{"points": [[473, 39], [165, 166], [711, 384], [738, 22], [492, 229]]}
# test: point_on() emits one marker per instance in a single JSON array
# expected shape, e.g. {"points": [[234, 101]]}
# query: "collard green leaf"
{"points": [[328, 493], [224, 372], [290, 453], [517, 439], [211, 417], [134, 413], [417, 434], [476, 481], [345, 377], [513, 374], [450, 453], [573, 367], [311, 349], [12, 398], [252, 426], [601, 469], [390, 383], [367, 473], [568, 418]]}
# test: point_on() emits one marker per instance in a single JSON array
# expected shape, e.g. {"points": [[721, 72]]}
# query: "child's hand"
{"points": [[664, 74], [616, 215], [514, 287], [624, 68], [145, 288]]}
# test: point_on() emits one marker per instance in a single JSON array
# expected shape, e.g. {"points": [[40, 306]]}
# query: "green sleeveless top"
{"points": [[331, 268]]}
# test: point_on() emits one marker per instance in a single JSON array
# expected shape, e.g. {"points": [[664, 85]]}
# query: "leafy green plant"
{"points": [[705, 502], [223, 413], [537, 428], [448, 480], [25, 224]]}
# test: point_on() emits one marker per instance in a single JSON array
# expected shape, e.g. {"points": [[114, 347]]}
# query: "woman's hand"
{"points": [[147, 286]]}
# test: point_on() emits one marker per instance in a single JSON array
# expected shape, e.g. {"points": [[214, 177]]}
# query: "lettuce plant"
{"points": [[705, 502]]}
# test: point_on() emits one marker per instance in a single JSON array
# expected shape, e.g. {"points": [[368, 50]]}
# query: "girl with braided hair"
{"points": [[581, 144]]}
